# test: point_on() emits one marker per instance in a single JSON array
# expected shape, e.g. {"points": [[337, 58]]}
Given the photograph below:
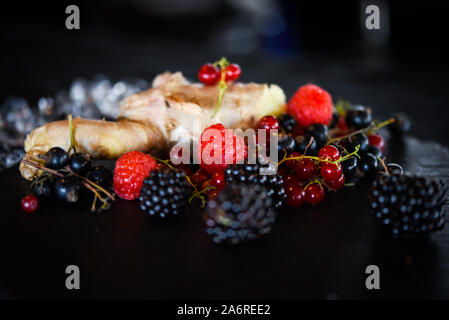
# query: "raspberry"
{"points": [[130, 171], [231, 152], [310, 104]]}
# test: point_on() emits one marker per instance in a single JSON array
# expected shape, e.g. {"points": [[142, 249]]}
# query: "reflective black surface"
{"points": [[313, 252]]}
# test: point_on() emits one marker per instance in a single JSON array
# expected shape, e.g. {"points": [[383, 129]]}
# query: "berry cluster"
{"points": [[67, 178]]}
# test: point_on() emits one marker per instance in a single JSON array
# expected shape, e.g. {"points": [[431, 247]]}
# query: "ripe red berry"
{"points": [[30, 203], [311, 104], [331, 171], [292, 164], [295, 196], [209, 74], [268, 122], [336, 184], [233, 72], [199, 177], [130, 171], [329, 153], [292, 179], [213, 139], [314, 194], [218, 180], [376, 140], [306, 169]]}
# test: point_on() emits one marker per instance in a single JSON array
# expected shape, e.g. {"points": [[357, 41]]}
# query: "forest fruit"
{"points": [[213, 139], [292, 164], [306, 169], [359, 139], [268, 123], [311, 104], [79, 164], [306, 143], [209, 74], [314, 194], [44, 189], [233, 72], [30, 203], [295, 196], [287, 122], [130, 171], [286, 144], [101, 176], [349, 167], [336, 184], [67, 189], [374, 151], [218, 180], [164, 193], [331, 171], [319, 132], [240, 212], [250, 174], [56, 158], [330, 153], [408, 206], [401, 124], [376, 140], [369, 165], [358, 118]]}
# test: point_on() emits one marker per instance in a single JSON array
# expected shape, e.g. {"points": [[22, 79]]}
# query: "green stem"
{"points": [[222, 86], [72, 135]]}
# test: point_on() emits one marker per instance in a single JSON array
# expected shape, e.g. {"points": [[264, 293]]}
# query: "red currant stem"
{"points": [[382, 162], [316, 180], [198, 194], [308, 145], [167, 162], [96, 196], [371, 128], [40, 167], [349, 184], [349, 155], [109, 195], [222, 86], [323, 160], [72, 134]]}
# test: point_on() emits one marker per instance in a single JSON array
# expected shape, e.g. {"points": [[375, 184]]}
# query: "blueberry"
{"points": [[79, 164], [303, 141], [369, 165], [375, 151], [43, 190], [56, 158], [349, 167], [287, 122], [319, 132], [359, 139], [285, 144], [101, 176], [67, 189], [358, 118], [400, 125]]}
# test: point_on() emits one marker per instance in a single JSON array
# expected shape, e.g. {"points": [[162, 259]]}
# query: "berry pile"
{"points": [[240, 212], [67, 178], [408, 205]]}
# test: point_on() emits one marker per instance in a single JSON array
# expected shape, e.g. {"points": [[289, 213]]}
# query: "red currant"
{"points": [[218, 180], [295, 196], [292, 180], [314, 193], [306, 169], [376, 140], [329, 153], [331, 171], [336, 184], [30, 203], [268, 122], [292, 164], [199, 177], [233, 72], [209, 74]]}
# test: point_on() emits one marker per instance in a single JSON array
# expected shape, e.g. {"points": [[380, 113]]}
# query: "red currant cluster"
{"points": [[211, 73]]}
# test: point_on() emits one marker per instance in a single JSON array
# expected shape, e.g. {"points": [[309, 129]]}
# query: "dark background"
{"points": [[401, 67], [319, 253]]}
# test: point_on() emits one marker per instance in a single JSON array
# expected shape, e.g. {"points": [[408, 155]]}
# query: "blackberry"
{"points": [[164, 192], [250, 174], [408, 205], [240, 212]]}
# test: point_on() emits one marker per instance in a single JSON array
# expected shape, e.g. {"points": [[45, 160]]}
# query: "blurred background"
{"points": [[121, 45]]}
